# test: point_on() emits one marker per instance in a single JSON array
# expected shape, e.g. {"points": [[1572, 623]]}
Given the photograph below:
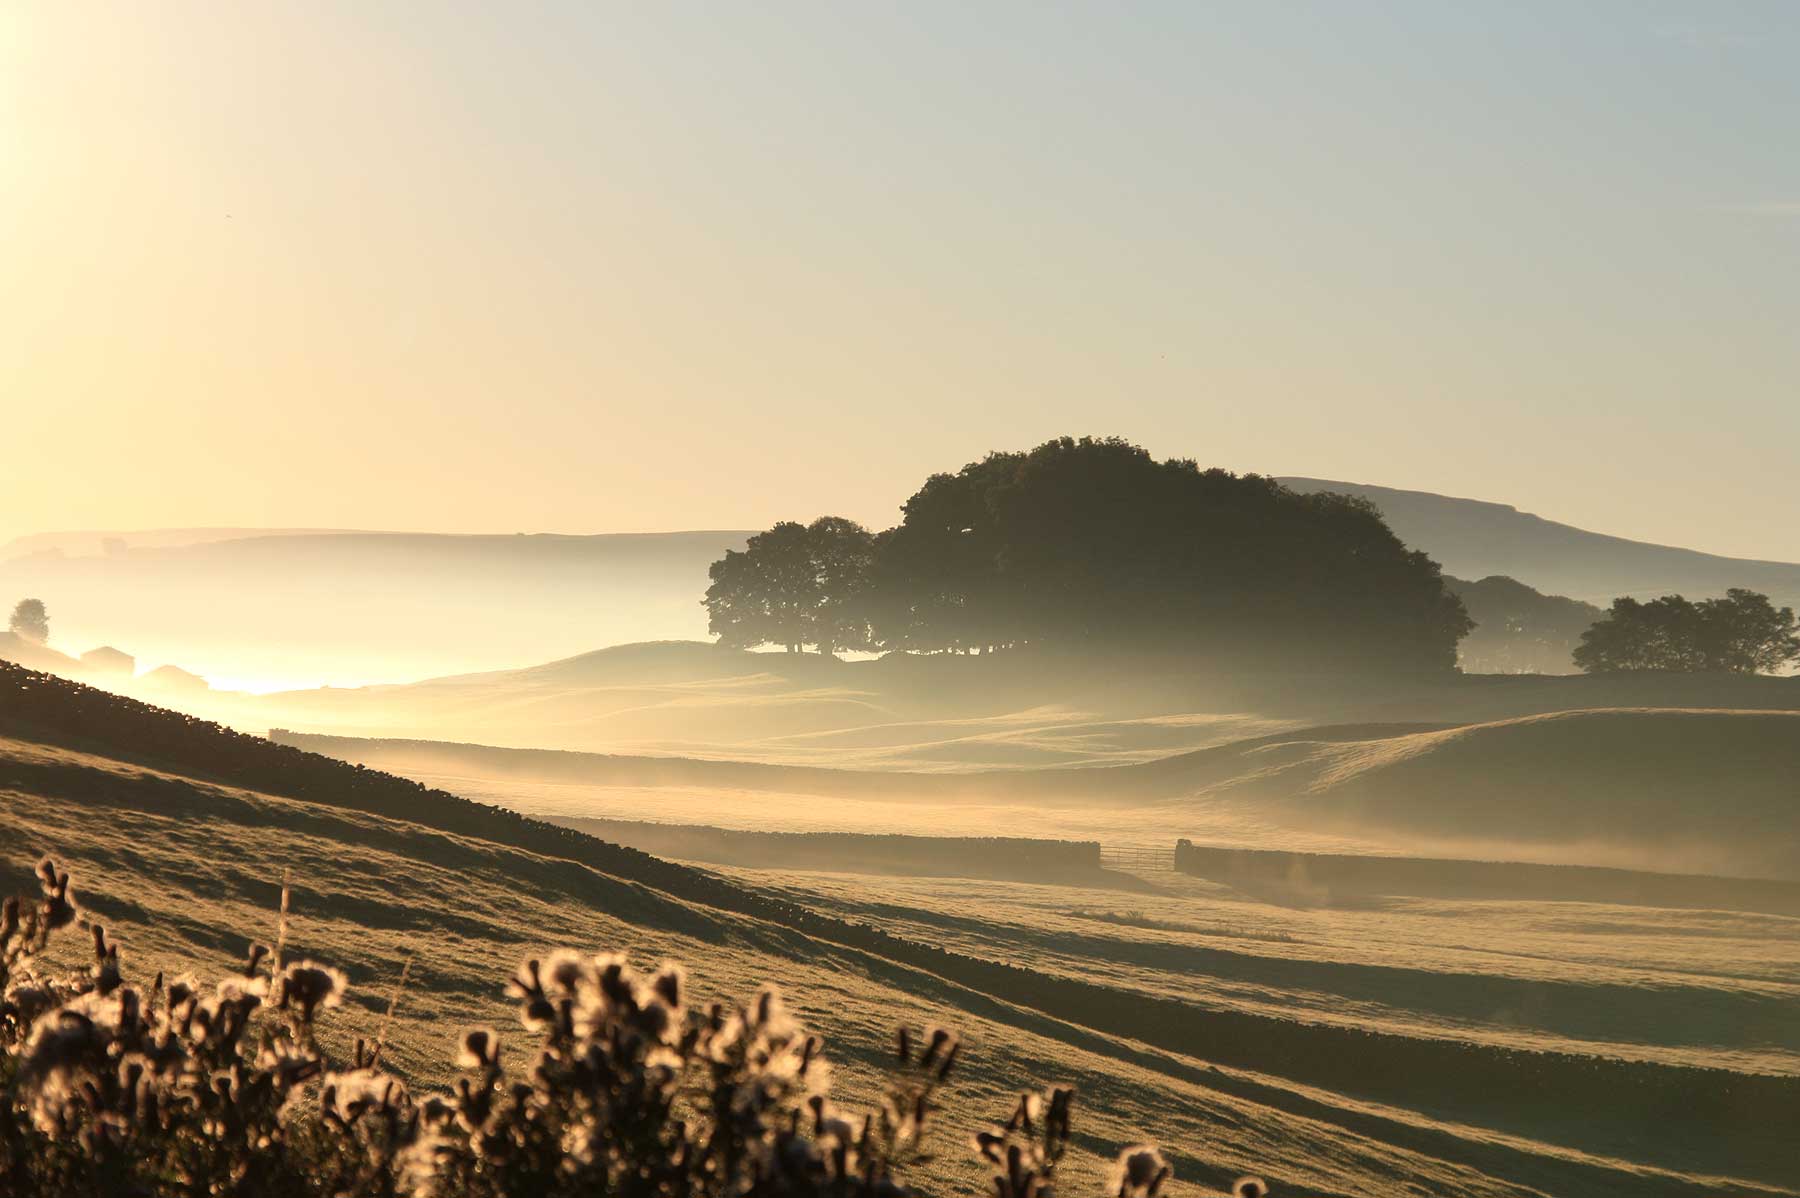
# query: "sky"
{"points": [[616, 267]]}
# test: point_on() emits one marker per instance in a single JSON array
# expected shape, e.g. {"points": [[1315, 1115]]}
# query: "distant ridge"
{"points": [[94, 542], [1474, 538]]}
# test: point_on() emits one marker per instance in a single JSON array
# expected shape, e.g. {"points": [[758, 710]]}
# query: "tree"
{"points": [[31, 621], [1742, 633], [763, 594], [1094, 543], [937, 584], [843, 552], [795, 585]]}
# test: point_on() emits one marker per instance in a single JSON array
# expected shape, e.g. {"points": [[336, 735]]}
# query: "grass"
{"points": [[1248, 1047]]}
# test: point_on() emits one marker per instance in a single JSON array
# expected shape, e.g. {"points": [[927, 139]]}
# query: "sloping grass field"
{"points": [[1378, 1044]]}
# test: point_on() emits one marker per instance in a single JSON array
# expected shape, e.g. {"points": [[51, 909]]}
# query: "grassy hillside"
{"points": [[1678, 790], [181, 833], [1715, 787], [934, 714], [1471, 538]]}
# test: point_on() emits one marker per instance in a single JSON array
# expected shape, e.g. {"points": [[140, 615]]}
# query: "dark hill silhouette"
{"points": [[1518, 629], [1473, 538]]}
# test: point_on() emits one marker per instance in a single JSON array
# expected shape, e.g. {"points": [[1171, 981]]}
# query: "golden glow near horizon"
{"points": [[612, 267]]}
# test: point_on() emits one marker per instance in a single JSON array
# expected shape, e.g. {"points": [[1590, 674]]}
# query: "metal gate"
{"points": [[1138, 858]]}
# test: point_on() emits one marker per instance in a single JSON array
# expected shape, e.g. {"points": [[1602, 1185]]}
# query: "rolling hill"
{"points": [[937, 713], [1686, 791], [1333, 1059], [1472, 538], [359, 607]]}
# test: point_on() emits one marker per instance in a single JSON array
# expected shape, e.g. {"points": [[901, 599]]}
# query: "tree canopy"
{"points": [[795, 585], [31, 621], [1093, 544], [1742, 633]]}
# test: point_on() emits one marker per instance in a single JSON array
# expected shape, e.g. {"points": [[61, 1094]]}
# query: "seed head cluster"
{"points": [[625, 1088]]}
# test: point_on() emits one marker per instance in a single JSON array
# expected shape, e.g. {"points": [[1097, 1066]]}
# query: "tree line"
{"points": [[1093, 544], [1742, 633]]}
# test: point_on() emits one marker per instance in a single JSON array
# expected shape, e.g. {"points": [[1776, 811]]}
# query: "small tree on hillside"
{"points": [[843, 553], [764, 594], [31, 621], [795, 585], [1742, 633]]}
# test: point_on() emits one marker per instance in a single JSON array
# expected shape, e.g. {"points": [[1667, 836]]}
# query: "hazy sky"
{"points": [[609, 267]]}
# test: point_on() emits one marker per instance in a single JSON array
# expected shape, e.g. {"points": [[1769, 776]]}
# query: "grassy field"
{"points": [[1677, 790], [937, 714], [1370, 1044]]}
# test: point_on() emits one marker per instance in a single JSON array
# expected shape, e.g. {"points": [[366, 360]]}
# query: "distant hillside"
{"points": [[16, 648], [939, 713], [1473, 539], [1697, 791], [1674, 790], [1519, 630], [295, 608], [102, 542], [303, 608]]}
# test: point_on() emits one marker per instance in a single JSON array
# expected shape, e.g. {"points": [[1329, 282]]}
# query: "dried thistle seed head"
{"points": [[480, 1048], [563, 973], [670, 985], [58, 908], [240, 991], [180, 990], [1141, 1172], [310, 986], [29, 1002], [356, 1092]]}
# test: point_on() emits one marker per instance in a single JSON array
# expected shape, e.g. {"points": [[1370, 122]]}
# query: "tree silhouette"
{"points": [[843, 553], [795, 585], [937, 580], [1742, 633], [1094, 545], [31, 621]]}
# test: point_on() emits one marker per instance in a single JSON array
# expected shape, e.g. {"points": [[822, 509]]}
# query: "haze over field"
{"points": [[837, 600], [282, 609]]}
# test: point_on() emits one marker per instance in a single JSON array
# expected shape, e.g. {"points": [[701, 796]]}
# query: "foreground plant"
{"points": [[186, 1090]]}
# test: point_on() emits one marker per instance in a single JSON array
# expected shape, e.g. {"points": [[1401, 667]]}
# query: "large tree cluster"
{"points": [[1094, 544], [1742, 633]]}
